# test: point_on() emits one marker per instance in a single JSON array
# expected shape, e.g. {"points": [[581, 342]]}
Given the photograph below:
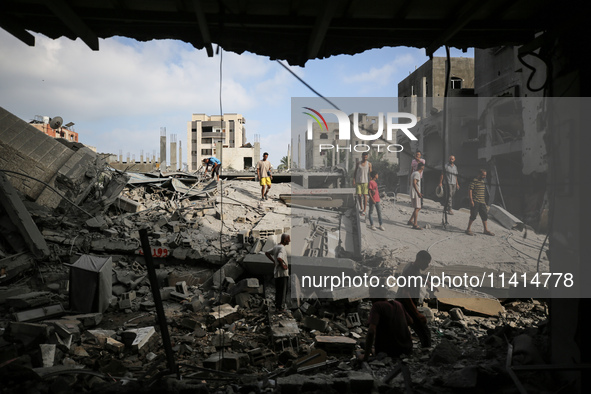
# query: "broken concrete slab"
{"points": [[137, 338], [6, 292], [37, 314], [336, 344], [21, 219], [88, 320], [223, 314], [285, 328], [314, 323], [505, 218], [469, 303], [29, 300]]}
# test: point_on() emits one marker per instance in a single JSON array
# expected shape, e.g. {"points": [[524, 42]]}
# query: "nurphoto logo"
{"points": [[345, 130]]}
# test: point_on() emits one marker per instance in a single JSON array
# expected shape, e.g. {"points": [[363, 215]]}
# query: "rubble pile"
{"points": [[84, 309]]}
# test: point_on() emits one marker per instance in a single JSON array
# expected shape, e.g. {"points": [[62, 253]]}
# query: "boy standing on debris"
{"points": [[374, 201], [409, 295], [264, 175], [416, 196], [278, 255], [215, 166], [361, 180], [478, 203]]}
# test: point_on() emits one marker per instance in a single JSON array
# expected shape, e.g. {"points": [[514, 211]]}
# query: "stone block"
{"points": [[360, 382], [48, 354], [314, 323], [114, 346], [242, 299], [181, 287], [234, 361], [456, 314]]}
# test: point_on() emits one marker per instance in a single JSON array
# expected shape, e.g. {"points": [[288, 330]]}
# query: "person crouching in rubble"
{"points": [[278, 255], [215, 166], [388, 327], [409, 295]]}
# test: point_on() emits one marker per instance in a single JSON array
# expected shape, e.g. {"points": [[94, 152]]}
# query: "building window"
{"points": [[456, 83], [206, 151], [323, 136]]}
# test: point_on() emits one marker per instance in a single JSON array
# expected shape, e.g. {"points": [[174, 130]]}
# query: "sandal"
{"points": [[409, 223], [416, 228], [469, 232], [488, 233]]}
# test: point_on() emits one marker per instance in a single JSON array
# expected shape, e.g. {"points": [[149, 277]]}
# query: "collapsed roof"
{"points": [[295, 31]]}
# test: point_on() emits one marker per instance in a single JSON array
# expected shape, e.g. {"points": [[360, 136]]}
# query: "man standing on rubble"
{"points": [[361, 181], [478, 203], [388, 327], [278, 255], [451, 185], [215, 166], [264, 175], [409, 292]]}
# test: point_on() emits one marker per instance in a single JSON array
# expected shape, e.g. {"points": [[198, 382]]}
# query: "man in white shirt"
{"points": [[278, 255], [451, 184]]}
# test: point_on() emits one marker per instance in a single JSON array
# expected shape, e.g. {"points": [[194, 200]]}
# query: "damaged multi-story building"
{"points": [[222, 137]]}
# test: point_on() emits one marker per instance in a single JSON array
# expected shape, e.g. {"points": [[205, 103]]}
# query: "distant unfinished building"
{"points": [[206, 134]]}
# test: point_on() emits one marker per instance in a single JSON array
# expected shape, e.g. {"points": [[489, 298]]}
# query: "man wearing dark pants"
{"points": [[451, 184], [409, 296], [478, 203], [278, 255]]}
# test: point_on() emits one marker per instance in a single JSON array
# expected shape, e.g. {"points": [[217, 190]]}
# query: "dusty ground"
{"points": [[507, 250]]}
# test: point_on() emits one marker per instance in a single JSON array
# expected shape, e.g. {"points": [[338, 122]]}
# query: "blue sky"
{"points": [[120, 96]]}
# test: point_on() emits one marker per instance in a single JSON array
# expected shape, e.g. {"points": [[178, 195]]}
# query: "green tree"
{"points": [[285, 165]]}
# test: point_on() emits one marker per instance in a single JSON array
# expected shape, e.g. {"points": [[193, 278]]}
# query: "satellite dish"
{"points": [[56, 123]]}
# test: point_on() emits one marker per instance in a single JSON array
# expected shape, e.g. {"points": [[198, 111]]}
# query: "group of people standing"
{"points": [[366, 188]]}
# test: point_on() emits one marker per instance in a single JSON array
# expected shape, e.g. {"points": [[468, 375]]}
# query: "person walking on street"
{"points": [[478, 203], [451, 185], [215, 166], [264, 175], [278, 255], [374, 201], [416, 197], [361, 181]]}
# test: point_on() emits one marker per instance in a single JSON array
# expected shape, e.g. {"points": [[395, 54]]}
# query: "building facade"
{"points": [[41, 123], [422, 94], [512, 131], [220, 136]]}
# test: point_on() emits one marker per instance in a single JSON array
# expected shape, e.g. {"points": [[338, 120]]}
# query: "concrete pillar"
{"points": [[181, 155], [173, 165], [163, 148]]}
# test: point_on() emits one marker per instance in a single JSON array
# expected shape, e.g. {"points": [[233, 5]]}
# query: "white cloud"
{"points": [[385, 75]]}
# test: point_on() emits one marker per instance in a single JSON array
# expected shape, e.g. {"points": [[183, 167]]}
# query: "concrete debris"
{"points": [[217, 289]]}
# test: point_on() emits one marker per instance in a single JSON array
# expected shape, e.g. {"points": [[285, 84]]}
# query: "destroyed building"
{"points": [[526, 348], [220, 136]]}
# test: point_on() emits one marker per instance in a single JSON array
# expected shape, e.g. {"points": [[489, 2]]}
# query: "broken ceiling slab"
{"points": [[477, 303]]}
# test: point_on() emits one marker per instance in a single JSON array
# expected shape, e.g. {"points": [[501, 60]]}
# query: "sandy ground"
{"points": [[507, 250]]}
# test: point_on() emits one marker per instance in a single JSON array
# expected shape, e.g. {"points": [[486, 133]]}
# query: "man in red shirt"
{"points": [[374, 201]]}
